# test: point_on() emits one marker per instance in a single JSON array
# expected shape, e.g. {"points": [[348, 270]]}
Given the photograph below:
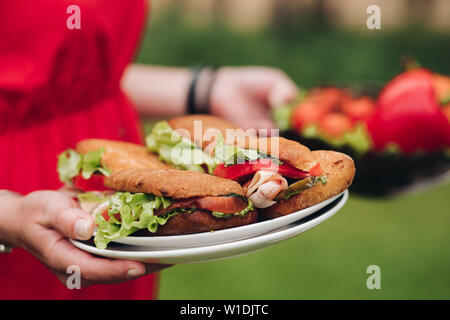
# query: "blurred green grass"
{"points": [[408, 237]]}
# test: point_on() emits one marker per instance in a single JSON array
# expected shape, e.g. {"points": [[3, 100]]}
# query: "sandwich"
{"points": [[161, 202], [273, 171], [84, 169]]}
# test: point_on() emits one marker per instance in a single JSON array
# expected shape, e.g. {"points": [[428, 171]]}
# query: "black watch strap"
{"points": [[191, 107], [200, 89]]}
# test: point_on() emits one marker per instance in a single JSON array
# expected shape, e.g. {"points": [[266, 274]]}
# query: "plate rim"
{"points": [[271, 238], [211, 236]]}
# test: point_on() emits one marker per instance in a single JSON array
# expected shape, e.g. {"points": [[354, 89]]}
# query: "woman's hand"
{"points": [[242, 95], [41, 222], [245, 95]]}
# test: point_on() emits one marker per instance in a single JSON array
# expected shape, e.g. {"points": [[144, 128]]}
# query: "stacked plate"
{"points": [[221, 244]]}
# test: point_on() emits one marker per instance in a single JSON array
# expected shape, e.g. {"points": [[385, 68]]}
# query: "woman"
{"points": [[61, 85]]}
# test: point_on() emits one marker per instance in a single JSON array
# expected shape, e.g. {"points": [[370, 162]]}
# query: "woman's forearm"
{"points": [[9, 209], [157, 91]]}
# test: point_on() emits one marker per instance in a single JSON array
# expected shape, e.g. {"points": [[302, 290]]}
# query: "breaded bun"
{"points": [[286, 150], [176, 184], [208, 123], [339, 170], [122, 155]]}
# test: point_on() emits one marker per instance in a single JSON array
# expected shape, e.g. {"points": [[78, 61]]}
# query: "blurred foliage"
{"points": [[310, 56], [407, 237]]}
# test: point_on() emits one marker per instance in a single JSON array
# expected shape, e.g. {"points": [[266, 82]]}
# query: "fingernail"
{"points": [[82, 229], [133, 273]]}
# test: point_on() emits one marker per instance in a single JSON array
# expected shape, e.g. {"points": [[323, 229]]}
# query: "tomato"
{"points": [[106, 216], [226, 204], [316, 170], [328, 99], [94, 183], [359, 109], [318, 104], [221, 204], [306, 113], [335, 124], [236, 171], [409, 115]]}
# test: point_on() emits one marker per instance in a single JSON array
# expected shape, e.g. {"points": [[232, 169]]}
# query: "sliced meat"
{"points": [[264, 187]]}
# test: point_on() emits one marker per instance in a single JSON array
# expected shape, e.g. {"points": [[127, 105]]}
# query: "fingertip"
{"points": [[281, 95], [83, 223], [84, 229], [134, 269]]}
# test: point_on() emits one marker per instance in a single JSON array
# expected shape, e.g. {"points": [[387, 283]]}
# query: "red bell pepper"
{"points": [[409, 115]]}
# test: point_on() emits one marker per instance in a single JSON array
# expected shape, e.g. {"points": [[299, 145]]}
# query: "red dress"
{"points": [[58, 86]]}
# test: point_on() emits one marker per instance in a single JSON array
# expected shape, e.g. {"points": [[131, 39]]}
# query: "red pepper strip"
{"points": [[94, 183], [236, 171]]}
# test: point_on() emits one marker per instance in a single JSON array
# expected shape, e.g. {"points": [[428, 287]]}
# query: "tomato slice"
{"points": [[94, 183], [106, 216], [222, 204], [316, 170], [236, 171], [226, 204]]}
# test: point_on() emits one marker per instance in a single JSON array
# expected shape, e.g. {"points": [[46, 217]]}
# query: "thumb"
{"points": [[72, 222]]}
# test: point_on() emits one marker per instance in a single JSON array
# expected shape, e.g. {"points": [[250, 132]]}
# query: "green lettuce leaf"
{"points": [[241, 213], [282, 117], [136, 212], [92, 163], [358, 138], [71, 162], [178, 151], [92, 197], [69, 165], [230, 154]]}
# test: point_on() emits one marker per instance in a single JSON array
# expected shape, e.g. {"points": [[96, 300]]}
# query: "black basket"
{"points": [[385, 174], [382, 174]]}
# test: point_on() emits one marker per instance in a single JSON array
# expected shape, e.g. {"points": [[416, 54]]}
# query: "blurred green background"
{"points": [[407, 237]]}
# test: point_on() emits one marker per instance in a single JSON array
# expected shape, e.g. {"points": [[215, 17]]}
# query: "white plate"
{"points": [[214, 252], [223, 236]]}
